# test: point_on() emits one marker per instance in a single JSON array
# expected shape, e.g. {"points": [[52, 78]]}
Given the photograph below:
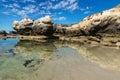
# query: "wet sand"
{"points": [[68, 64]]}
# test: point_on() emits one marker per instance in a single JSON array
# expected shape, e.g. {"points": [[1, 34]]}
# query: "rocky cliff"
{"points": [[106, 22]]}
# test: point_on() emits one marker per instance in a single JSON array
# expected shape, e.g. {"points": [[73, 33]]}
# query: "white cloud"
{"points": [[33, 1], [22, 13], [61, 4], [72, 1], [87, 9], [49, 5], [3, 0], [72, 7], [6, 13], [43, 12], [14, 10], [82, 9], [53, 0], [9, 0], [46, 7], [59, 18], [43, 4], [69, 5], [30, 8], [15, 5], [12, 5], [87, 12]]}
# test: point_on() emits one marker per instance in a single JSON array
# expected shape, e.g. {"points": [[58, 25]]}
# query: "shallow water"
{"points": [[57, 60]]}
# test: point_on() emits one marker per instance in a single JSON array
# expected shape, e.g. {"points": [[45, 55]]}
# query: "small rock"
{"points": [[3, 33]]}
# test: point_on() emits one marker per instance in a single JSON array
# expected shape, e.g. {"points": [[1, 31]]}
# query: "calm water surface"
{"points": [[57, 60]]}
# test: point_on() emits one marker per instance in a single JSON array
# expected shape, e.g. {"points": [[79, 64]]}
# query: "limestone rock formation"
{"points": [[42, 26], [106, 22], [23, 27], [60, 28]]}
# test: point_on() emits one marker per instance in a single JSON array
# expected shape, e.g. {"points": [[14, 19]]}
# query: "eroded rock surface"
{"points": [[106, 22], [42, 26]]}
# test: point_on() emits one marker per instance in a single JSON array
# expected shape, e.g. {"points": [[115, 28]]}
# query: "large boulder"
{"points": [[23, 27], [42, 26]]}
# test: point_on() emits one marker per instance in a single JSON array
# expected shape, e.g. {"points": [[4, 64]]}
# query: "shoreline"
{"points": [[93, 40]]}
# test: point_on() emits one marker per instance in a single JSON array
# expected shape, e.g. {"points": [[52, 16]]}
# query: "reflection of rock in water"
{"points": [[104, 56], [39, 49], [29, 62]]}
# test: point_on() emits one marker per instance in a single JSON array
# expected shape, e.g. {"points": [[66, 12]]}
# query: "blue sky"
{"points": [[61, 11]]}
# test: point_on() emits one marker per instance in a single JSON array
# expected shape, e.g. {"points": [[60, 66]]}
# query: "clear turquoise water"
{"points": [[57, 60], [6, 46]]}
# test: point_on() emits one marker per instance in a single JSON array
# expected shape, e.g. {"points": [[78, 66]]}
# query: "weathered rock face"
{"points": [[23, 27], [67, 30], [42, 26], [60, 29], [3, 33], [106, 22]]}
